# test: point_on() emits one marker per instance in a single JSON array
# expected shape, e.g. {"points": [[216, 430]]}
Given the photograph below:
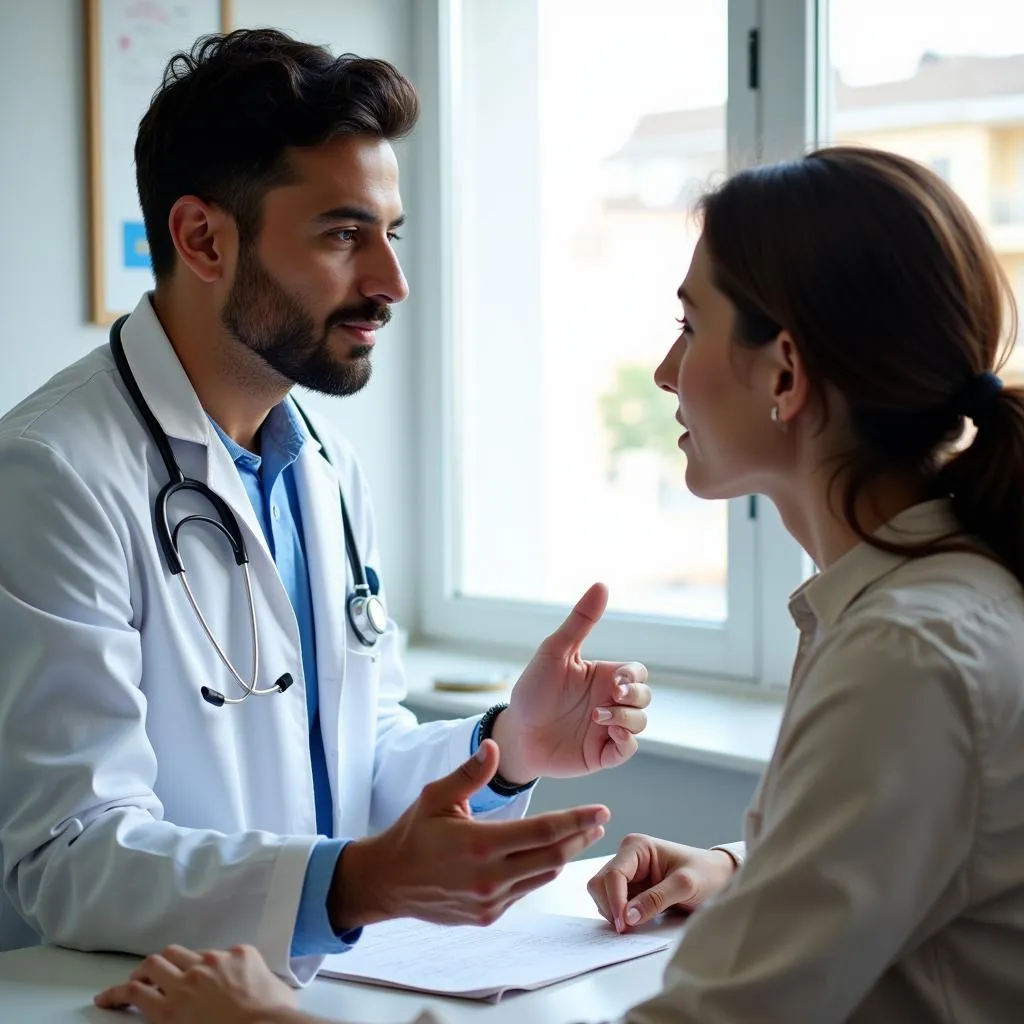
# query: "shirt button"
{"points": [[275, 511]]}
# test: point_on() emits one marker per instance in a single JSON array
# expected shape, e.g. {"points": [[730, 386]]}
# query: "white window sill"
{"points": [[722, 729]]}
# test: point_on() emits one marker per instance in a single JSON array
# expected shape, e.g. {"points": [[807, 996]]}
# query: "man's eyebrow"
{"points": [[358, 214], [684, 296]]}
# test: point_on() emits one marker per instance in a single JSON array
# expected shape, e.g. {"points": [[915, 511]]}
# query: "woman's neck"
{"points": [[813, 511]]}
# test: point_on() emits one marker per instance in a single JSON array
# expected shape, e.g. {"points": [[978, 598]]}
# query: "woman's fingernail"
{"points": [[481, 754], [618, 924], [621, 691], [632, 915], [602, 715]]}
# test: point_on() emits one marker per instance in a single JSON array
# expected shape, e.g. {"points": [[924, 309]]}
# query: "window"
{"points": [[572, 139], [943, 167], [573, 167]]}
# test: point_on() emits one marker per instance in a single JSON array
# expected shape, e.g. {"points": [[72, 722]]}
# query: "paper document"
{"points": [[526, 951]]}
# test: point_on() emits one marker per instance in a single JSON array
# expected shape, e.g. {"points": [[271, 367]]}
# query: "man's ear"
{"points": [[204, 236], [791, 387]]}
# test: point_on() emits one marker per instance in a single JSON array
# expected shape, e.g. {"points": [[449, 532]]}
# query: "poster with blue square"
{"points": [[136, 248]]}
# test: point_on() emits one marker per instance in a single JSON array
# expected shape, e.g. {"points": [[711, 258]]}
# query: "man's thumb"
{"points": [[569, 636], [676, 889], [470, 776]]}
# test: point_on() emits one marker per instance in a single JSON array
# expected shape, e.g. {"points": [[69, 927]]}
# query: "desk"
{"points": [[46, 985]]}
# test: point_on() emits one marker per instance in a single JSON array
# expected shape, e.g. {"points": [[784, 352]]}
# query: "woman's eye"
{"points": [[684, 326]]}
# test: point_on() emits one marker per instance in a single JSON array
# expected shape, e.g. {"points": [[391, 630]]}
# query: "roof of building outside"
{"points": [[938, 79]]}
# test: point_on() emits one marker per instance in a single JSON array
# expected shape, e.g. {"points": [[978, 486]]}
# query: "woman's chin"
{"points": [[703, 485]]}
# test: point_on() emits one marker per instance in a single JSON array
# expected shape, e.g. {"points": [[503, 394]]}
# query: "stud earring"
{"points": [[774, 414]]}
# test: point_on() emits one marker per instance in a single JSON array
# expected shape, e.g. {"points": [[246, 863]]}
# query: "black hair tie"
{"points": [[978, 397]]}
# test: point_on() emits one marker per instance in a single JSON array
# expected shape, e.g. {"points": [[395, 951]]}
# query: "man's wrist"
{"points": [[512, 773], [353, 899]]}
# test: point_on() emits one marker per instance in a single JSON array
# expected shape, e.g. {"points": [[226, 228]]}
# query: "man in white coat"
{"points": [[134, 813]]}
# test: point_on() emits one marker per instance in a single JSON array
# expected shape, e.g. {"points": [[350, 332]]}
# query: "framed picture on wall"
{"points": [[128, 44]]}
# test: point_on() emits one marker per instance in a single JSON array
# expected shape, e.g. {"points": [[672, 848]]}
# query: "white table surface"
{"points": [[46, 985]]}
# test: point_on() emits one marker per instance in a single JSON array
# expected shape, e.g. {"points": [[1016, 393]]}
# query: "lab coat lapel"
{"points": [[322, 524], [319, 496], [170, 395]]}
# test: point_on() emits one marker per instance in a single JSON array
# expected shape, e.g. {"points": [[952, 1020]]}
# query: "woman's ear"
{"points": [[791, 387]]}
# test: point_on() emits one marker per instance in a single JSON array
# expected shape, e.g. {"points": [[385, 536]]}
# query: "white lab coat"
{"points": [[132, 813]]}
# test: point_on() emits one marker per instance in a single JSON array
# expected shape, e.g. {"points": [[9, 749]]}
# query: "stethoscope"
{"points": [[366, 613]]}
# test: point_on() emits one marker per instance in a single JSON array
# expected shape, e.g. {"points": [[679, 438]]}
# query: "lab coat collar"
{"points": [[161, 377], [827, 595]]}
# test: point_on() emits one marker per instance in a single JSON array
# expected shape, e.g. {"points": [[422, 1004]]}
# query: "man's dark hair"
{"points": [[228, 110]]}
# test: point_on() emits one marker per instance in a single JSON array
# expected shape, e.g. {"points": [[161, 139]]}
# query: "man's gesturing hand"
{"points": [[569, 716], [438, 864]]}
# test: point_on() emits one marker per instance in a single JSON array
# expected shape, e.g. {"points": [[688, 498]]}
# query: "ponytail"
{"points": [[986, 480]]}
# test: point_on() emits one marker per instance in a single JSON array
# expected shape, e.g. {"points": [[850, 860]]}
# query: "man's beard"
{"points": [[267, 320]]}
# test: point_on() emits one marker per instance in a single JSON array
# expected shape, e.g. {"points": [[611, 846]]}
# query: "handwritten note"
{"points": [[525, 951]]}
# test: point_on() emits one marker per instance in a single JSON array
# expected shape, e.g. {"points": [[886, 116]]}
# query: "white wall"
{"points": [[44, 282], [44, 269]]}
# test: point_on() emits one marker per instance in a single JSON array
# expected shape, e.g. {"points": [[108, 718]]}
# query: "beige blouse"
{"points": [[884, 874]]}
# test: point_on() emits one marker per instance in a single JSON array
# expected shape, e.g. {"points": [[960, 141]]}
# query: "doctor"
{"points": [[219, 755]]}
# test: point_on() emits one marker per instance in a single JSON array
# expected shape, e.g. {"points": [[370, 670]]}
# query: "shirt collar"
{"points": [[281, 439], [825, 596]]}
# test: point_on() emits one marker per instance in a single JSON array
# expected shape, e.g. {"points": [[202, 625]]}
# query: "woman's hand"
{"points": [[648, 875], [181, 986]]}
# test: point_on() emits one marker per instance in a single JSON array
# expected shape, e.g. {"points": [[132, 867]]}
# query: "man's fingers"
{"points": [[158, 971], [569, 636], [633, 695], [132, 993], [619, 748], [544, 830], [462, 783], [631, 673], [181, 957], [631, 719], [557, 855], [526, 885]]}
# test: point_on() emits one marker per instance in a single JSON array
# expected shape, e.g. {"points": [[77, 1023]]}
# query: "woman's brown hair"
{"points": [[894, 298]]}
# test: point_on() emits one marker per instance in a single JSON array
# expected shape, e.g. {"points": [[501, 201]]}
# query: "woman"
{"points": [[843, 316]]}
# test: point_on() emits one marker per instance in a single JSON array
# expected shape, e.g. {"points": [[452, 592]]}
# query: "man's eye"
{"points": [[345, 234]]}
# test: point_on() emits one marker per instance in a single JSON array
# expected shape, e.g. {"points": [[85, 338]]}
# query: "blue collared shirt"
{"points": [[269, 480], [270, 483]]}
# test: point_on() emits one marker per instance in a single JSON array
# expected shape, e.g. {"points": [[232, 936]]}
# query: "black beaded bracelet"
{"points": [[498, 784]]}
